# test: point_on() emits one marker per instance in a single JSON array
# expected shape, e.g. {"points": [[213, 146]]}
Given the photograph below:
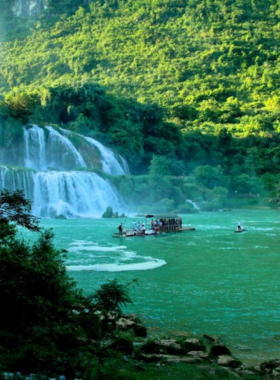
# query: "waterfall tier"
{"points": [[59, 149], [56, 174]]}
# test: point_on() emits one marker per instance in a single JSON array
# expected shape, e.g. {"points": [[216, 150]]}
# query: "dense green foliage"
{"points": [[195, 82], [46, 324]]}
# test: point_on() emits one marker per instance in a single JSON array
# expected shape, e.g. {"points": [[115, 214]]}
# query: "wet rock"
{"points": [[198, 354], [171, 346], [193, 344], [228, 361], [220, 349], [162, 346], [125, 324], [61, 216], [271, 364], [243, 370], [131, 317]]}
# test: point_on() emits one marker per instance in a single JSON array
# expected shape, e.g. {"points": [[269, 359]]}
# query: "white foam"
{"points": [[117, 268], [81, 242], [96, 248], [128, 255], [116, 258]]}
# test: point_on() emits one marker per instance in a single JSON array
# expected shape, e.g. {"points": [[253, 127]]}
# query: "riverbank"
{"points": [[128, 353]]}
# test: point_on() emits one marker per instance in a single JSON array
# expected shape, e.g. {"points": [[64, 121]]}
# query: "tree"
{"points": [[111, 296], [210, 176], [14, 207], [37, 327], [46, 324]]}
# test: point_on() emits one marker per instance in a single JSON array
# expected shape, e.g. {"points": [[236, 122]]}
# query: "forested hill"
{"points": [[167, 71]]}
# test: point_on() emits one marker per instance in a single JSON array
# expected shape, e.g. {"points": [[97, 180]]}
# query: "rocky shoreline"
{"points": [[133, 346]]}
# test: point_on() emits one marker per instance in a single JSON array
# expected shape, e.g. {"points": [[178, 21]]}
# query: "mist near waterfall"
{"points": [[58, 173]]}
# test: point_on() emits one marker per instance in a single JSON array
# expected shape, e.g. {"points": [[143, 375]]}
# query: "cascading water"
{"points": [[56, 176], [35, 152], [109, 162], [62, 152], [195, 206], [69, 193]]}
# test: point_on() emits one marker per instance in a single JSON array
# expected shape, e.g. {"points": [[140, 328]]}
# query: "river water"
{"points": [[210, 280]]}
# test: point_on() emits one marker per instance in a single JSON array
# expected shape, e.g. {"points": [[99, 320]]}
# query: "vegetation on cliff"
{"points": [[195, 83]]}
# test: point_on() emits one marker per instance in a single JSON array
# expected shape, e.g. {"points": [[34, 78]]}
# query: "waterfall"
{"points": [[195, 206], [62, 152], [109, 162], [27, 8], [35, 152], [17, 178], [73, 194], [50, 178]]}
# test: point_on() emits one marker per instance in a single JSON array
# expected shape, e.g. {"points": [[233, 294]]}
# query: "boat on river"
{"points": [[240, 230], [157, 225]]}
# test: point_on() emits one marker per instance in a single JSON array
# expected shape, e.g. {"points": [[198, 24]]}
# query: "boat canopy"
{"points": [[162, 216]]}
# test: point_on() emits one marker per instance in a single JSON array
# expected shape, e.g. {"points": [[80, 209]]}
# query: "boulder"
{"points": [[220, 349], [60, 217], [171, 346], [125, 324], [270, 365], [228, 361], [131, 317], [193, 344], [198, 354], [162, 346]]}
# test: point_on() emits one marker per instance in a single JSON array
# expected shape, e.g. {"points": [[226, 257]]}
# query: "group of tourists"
{"points": [[139, 227], [155, 225], [172, 223]]}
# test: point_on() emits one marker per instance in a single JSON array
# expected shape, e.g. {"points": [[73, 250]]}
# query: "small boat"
{"points": [[241, 230]]}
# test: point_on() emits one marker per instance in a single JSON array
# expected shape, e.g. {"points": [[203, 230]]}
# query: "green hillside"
{"points": [[194, 81]]}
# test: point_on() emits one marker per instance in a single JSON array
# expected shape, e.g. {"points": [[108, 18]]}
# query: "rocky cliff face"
{"points": [[27, 8]]}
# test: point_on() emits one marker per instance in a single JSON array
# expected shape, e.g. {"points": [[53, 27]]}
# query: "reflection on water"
{"points": [[206, 281]]}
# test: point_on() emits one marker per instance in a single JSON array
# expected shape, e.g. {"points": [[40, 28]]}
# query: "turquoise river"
{"points": [[210, 280]]}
